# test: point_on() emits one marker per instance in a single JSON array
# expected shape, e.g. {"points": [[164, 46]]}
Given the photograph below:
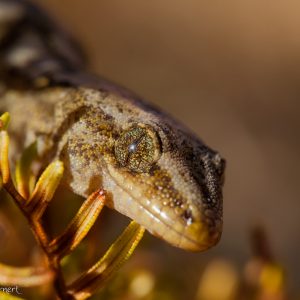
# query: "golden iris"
{"points": [[138, 148]]}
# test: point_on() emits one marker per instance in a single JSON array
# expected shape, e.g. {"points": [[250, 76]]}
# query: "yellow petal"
{"points": [[4, 120], [45, 189], [113, 259], [79, 226], [4, 163], [23, 170]]}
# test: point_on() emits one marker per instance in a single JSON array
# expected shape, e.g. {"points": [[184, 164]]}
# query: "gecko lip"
{"points": [[194, 237]]}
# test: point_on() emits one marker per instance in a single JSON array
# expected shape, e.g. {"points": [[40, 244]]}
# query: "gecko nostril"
{"points": [[187, 216]]}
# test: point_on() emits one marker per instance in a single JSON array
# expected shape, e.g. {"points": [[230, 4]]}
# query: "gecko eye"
{"points": [[138, 148]]}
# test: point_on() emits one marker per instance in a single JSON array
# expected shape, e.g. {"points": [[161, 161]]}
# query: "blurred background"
{"points": [[229, 70]]}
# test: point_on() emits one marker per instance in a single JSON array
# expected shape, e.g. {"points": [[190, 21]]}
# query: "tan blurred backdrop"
{"points": [[230, 70]]}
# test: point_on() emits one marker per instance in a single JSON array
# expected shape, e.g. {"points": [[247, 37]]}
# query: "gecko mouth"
{"points": [[176, 237], [193, 237]]}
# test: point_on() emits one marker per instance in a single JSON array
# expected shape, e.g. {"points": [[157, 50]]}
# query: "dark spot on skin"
{"points": [[88, 123], [80, 145], [115, 135], [153, 169], [107, 117]]}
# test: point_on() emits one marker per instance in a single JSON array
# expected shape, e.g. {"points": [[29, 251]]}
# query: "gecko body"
{"points": [[154, 169]]}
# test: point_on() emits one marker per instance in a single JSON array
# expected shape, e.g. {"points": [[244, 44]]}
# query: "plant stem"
{"points": [[43, 240]]}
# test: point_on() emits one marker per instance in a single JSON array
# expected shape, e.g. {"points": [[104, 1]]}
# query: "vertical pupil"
{"points": [[132, 147]]}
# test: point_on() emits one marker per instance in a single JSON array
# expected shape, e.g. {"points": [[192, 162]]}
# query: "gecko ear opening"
{"points": [[138, 148]]}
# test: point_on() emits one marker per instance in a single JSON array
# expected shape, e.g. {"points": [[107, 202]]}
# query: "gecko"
{"points": [[154, 169]]}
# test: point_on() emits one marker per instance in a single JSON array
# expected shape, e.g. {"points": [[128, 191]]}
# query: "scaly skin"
{"points": [[154, 169]]}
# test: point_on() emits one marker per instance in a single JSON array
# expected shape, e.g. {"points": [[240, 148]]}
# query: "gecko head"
{"points": [[171, 183], [155, 170]]}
